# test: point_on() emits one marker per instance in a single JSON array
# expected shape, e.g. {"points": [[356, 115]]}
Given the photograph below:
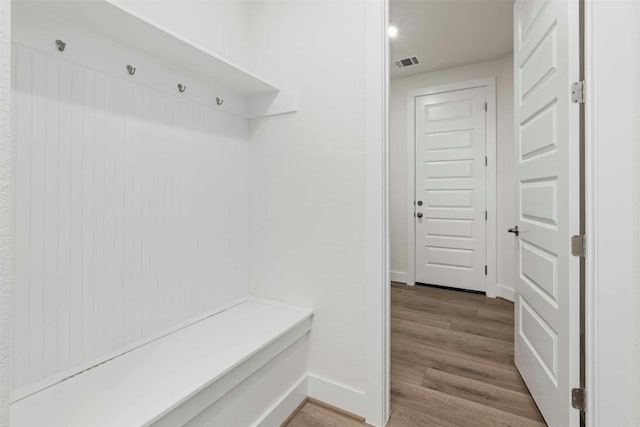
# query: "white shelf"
{"points": [[108, 20], [144, 385]]}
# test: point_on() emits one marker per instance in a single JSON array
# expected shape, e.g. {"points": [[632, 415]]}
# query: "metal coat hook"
{"points": [[181, 87], [60, 45], [219, 101], [131, 70]]}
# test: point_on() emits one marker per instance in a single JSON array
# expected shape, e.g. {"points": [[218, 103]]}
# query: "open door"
{"points": [[547, 126]]}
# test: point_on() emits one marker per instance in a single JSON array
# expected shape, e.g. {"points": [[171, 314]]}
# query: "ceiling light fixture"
{"points": [[393, 31]]}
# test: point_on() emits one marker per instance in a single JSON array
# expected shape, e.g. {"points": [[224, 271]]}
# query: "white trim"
{"points": [[491, 184], [61, 376], [612, 63], [284, 342], [339, 395], [399, 276], [246, 94], [590, 303], [285, 406], [322, 389], [6, 209], [504, 292], [377, 315]]}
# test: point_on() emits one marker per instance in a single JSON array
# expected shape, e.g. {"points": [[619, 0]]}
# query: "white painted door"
{"points": [[450, 189], [546, 62]]}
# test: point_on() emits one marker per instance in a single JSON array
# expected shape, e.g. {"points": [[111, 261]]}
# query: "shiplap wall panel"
{"points": [[131, 208], [21, 296]]}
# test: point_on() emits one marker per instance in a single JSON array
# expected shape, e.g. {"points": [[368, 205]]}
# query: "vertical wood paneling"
{"points": [[164, 179], [128, 295], [21, 293], [64, 217], [87, 145], [108, 247], [76, 336], [130, 207], [49, 241], [98, 195], [37, 320]]}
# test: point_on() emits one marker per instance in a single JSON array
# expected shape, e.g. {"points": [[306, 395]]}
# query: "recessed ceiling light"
{"points": [[393, 31]]}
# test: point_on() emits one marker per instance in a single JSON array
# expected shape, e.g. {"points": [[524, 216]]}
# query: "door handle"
{"points": [[514, 230], [419, 214]]}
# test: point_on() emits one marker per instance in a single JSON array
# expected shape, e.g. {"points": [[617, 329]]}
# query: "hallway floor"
{"points": [[451, 364]]}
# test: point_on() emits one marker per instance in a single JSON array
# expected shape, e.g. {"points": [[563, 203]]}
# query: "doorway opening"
{"points": [[484, 196]]}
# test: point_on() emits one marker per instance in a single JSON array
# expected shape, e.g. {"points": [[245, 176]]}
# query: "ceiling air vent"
{"points": [[406, 62]]}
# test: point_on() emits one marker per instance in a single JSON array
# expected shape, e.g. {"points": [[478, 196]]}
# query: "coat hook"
{"points": [[219, 101], [181, 87], [131, 70], [60, 45]]}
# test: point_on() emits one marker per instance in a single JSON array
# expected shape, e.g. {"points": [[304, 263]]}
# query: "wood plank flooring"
{"points": [[451, 365]]}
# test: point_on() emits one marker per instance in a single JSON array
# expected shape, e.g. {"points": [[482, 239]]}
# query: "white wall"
{"points": [[613, 212], [631, 12], [502, 69], [219, 26], [131, 212], [305, 174], [635, 284], [6, 210], [632, 15], [307, 180]]}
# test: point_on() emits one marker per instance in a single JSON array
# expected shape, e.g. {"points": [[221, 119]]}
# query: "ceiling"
{"points": [[449, 33]]}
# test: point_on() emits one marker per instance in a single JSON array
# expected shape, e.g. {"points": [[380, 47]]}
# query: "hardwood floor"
{"points": [[451, 364]]}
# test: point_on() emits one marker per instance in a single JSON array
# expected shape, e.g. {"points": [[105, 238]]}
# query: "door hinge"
{"points": [[577, 92], [486, 161], [485, 106], [578, 399], [485, 270], [578, 245], [486, 215]]}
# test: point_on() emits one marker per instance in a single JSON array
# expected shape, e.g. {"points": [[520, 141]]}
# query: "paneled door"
{"points": [[450, 145], [547, 341]]}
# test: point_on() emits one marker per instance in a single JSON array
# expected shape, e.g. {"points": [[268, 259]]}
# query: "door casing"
{"points": [[612, 276]]}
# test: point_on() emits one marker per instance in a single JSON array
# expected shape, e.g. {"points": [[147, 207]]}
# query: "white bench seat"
{"points": [[141, 387]]}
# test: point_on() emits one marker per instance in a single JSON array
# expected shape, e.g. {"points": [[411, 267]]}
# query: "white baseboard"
{"points": [[335, 394], [399, 276], [338, 395], [288, 403], [505, 292]]}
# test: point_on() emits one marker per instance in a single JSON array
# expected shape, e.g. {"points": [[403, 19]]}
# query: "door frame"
{"points": [[377, 388], [612, 203], [489, 83]]}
